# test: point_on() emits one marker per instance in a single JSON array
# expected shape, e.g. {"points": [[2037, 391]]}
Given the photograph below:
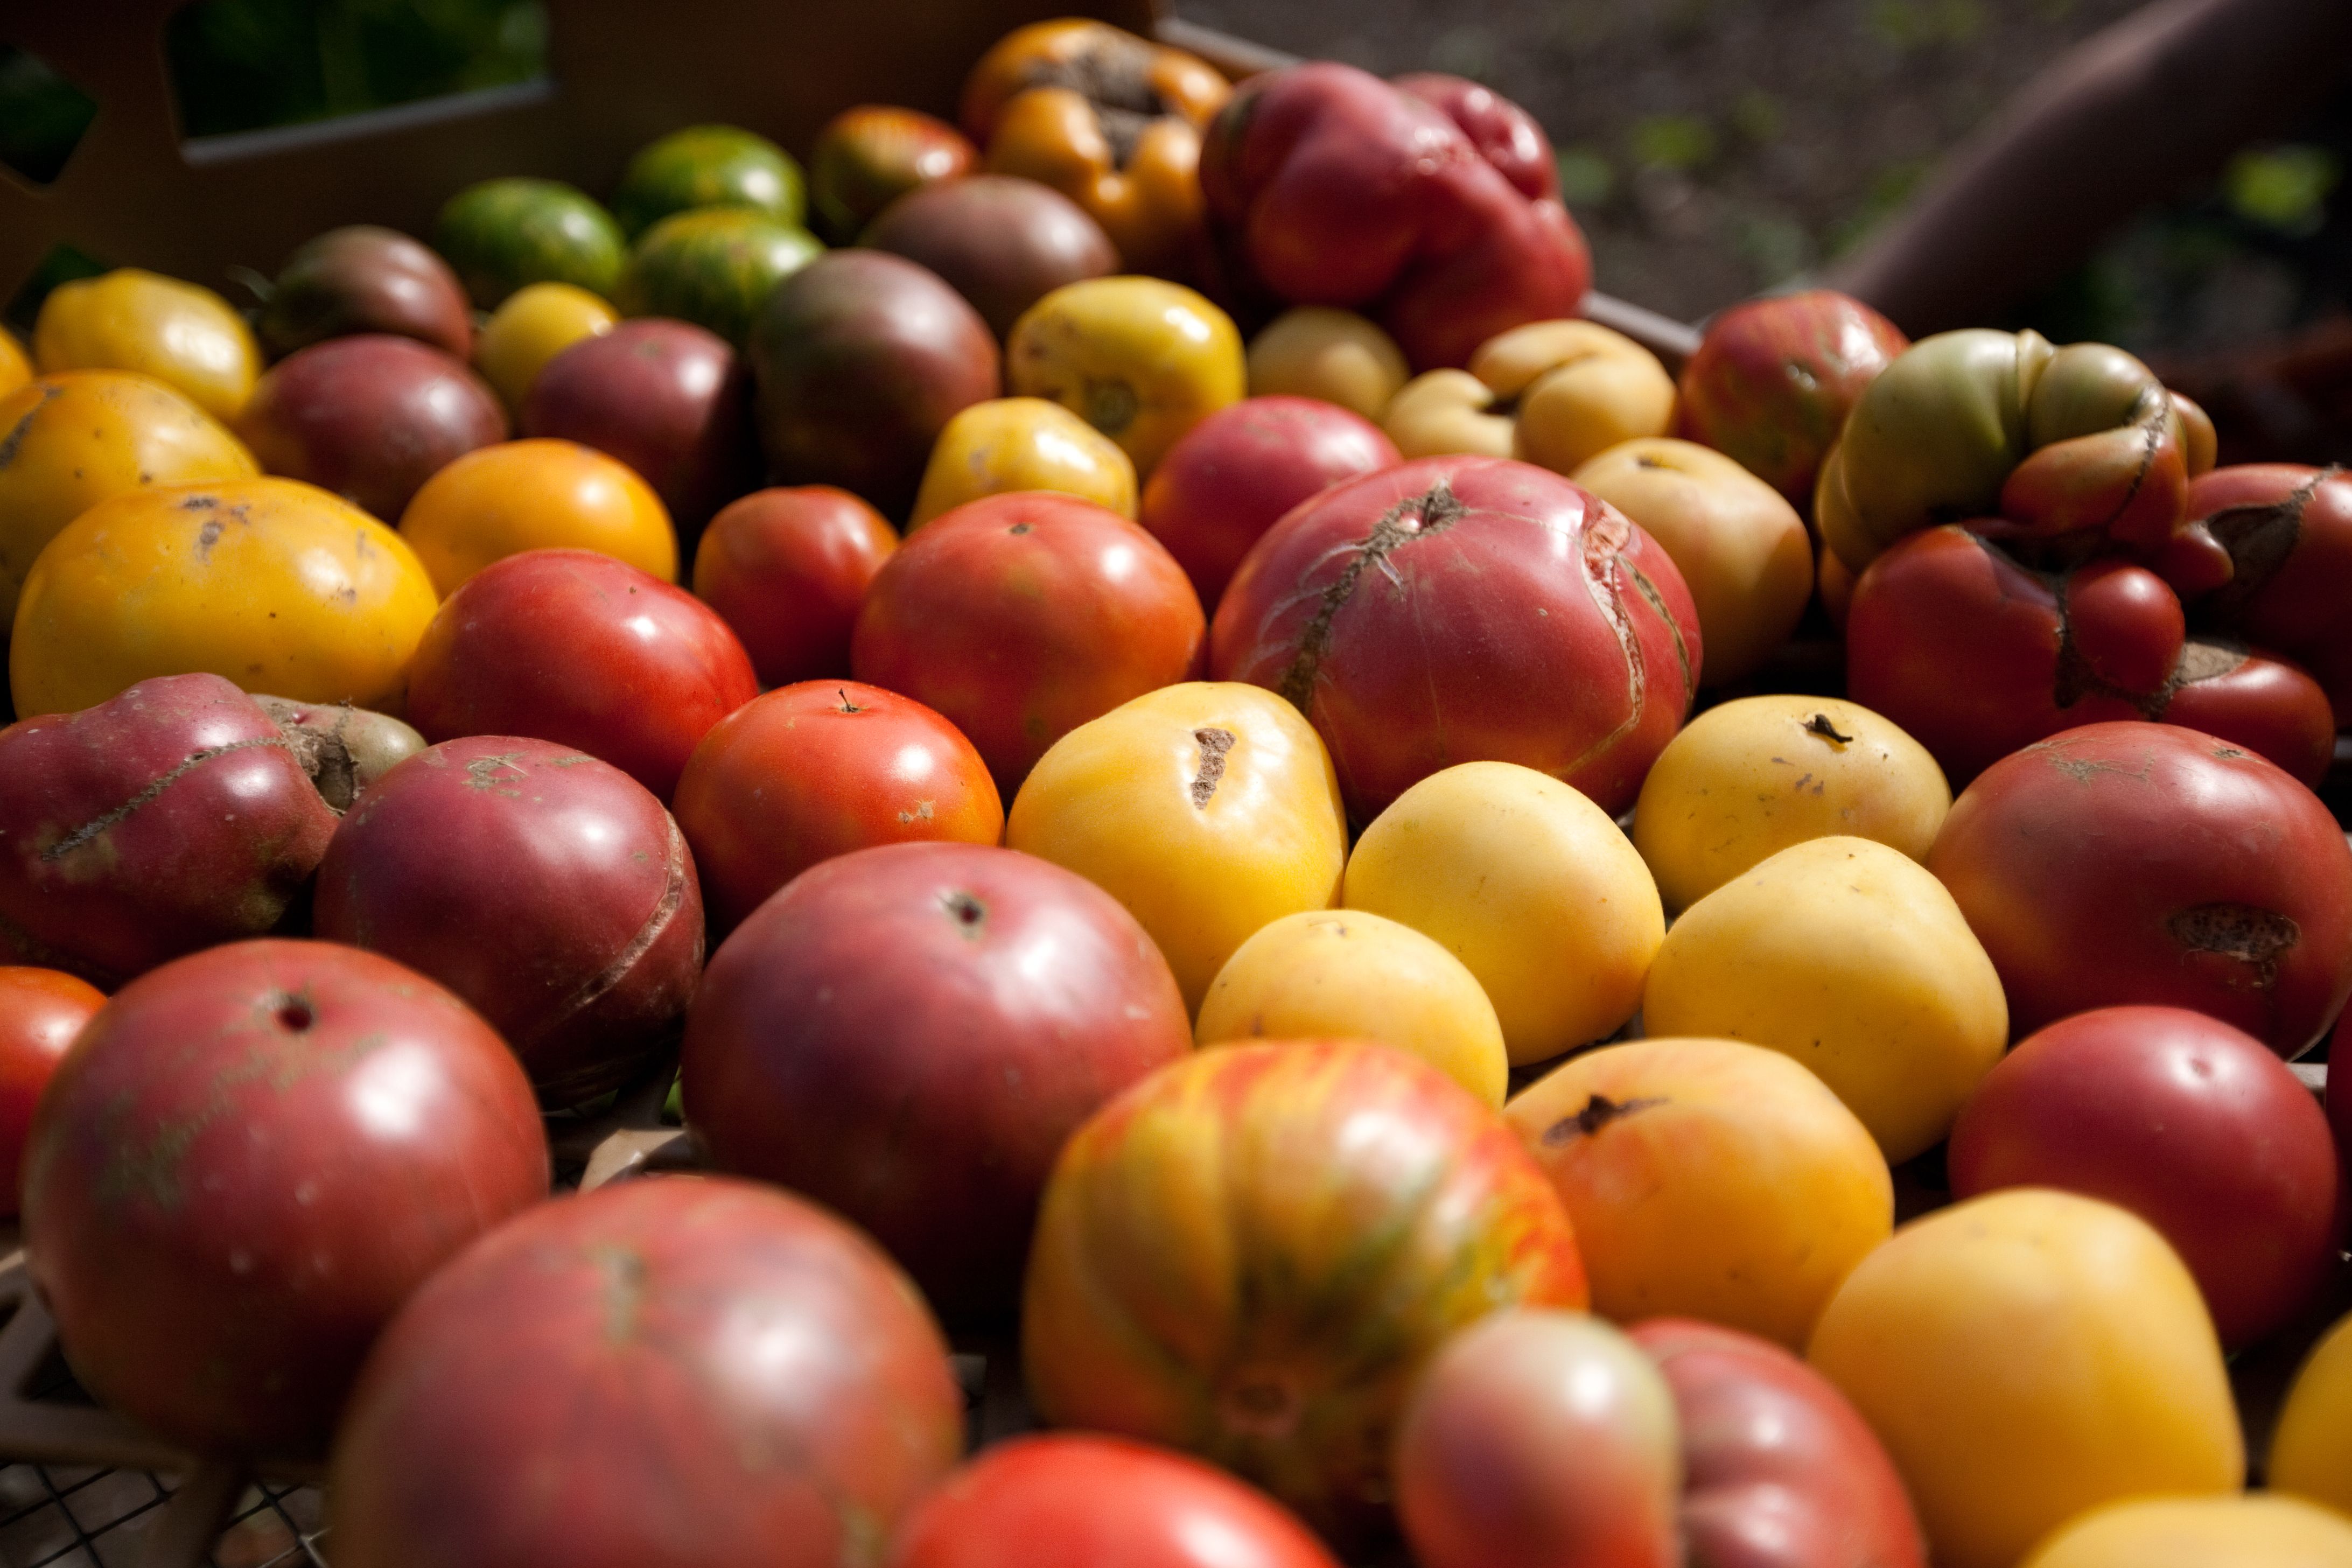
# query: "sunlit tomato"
{"points": [[2025, 1356], [1708, 1179], [787, 570], [186, 336], [2250, 1532], [1105, 1502], [1021, 616], [1208, 809], [75, 440], [2311, 1448], [535, 324], [1253, 1253], [809, 772], [542, 494], [1023, 444], [16, 365], [1140, 359], [275, 585], [41, 1012]]}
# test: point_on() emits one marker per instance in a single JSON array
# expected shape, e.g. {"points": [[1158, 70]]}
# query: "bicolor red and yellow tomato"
{"points": [[1252, 1254], [540, 494], [271, 583], [1207, 808], [808, 771]]}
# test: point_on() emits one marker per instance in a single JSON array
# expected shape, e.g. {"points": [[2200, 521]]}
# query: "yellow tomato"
{"points": [[69, 441], [1565, 392], [2025, 1356], [2311, 1451], [536, 323], [1741, 548], [1208, 809], [1023, 444], [1530, 885], [2250, 1531], [183, 335], [497, 501], [1347, 975], [1708, 1179], [1313, 351], [1140, 359], [1851, 958], [1746, 779], [273, 584], [16, 369]]}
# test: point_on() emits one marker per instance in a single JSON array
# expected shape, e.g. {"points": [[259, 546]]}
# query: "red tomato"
{"points": [[2190, 1124], [1779, 1472], [251, 1157], [1021, 616], [674, 1372], [41, 1012], [579, 648], [818, 770], [787, 569], [2339, 1094], [2133, 862], [1099, 1502]]}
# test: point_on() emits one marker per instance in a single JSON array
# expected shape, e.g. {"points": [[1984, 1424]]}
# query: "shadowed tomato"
{"points": [[2146, 863], [909, 1033], [2340, 1100], [2190, 1124], [248, 1161], [787, 570], [1251, 1254], [41, 1011], [361, 279], [1104, 1502], [660, 1372], [817, 770], [1463, 609], [1234, 475], [168, 818], [1004, 243], [1021, 616], [547, 889], [1779, 1472], [370, 418], [576, 647]]}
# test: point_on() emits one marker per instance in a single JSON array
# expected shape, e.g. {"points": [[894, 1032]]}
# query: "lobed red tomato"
{"points": [[787, 571], [41, 1012]]}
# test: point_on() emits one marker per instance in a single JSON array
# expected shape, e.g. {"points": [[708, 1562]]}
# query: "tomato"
{"points": [[1023, 444], [712, 265], [278, 586], [503, 235], [1337, 356], [2311, 1448], [809, 772], [246, 1163], [869, 156], [361, 278], [579, 648], [2025, 1356], [665, 1372], [532, 327], [171, 817], [1021, 616], [2250, 1532], [370, 417], [709, 166], [2146, 863], [1207, 809], [41, 1012], [909, 1033], [1140, 359], [539, 494], [547, 891], [16, 365], [1774, 378], [1708, 1179], [69, 441], [1102, 1501], [2190, 1124], [787, 571], [185, 336], [1250, 1254], [1779, 1468]]}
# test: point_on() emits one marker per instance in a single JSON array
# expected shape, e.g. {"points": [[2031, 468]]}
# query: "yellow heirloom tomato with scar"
{"points": [[1209, 809], [1140, 359]]}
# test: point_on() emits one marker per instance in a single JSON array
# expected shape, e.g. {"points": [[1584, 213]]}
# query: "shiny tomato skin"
{"points": [[41, 1012], [1105, 1502], [250, 1158], [787, 569], [576, 647], [2190, 1124], [1020, 617], [809, 772]]}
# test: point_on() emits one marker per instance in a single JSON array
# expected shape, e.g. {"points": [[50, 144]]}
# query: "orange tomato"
{"points": [[497, 501]]}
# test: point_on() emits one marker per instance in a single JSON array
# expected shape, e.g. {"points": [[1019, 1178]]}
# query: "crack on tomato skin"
{"points": [[624, 1277], [2245, 934], [1432, 511], [98, 827], [1820, 725], [1599, 1112], [597, 986], [1214, 744], [2259, 539]]}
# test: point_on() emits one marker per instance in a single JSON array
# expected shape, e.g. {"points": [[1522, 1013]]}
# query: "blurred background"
{"points": [[1711, 148]]}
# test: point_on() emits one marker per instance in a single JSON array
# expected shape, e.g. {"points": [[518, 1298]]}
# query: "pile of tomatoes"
{"points": [[1230, 803]]}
